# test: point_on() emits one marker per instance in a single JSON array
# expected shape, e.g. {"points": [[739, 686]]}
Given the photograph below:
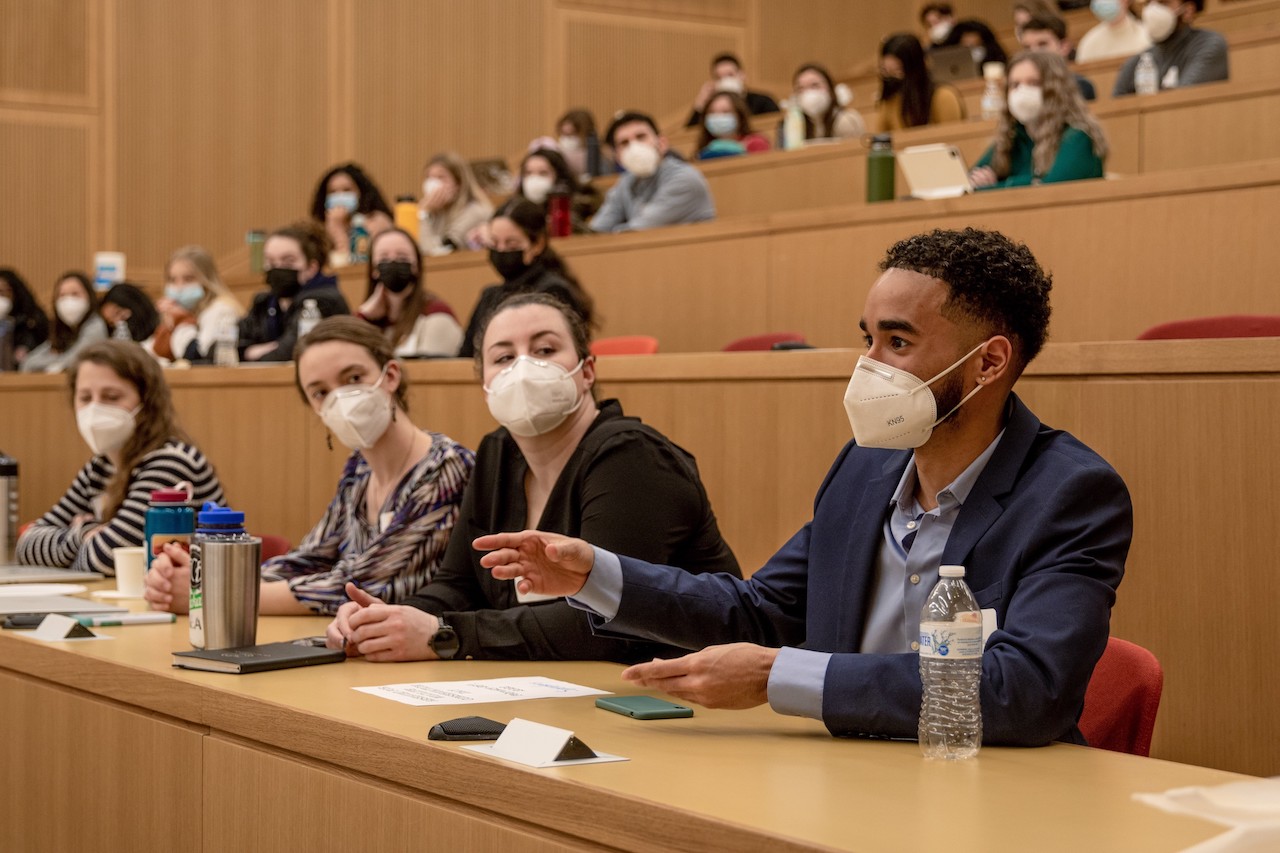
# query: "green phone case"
{"points": [[643, 707]]}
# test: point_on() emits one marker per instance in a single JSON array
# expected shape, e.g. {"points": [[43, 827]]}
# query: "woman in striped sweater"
{"points": [[386, 528], [125, 415]]}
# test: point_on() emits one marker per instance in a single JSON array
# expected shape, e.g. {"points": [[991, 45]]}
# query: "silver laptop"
{"points": [[950, 64], [935, 171], [10, 604], [43, 574]]}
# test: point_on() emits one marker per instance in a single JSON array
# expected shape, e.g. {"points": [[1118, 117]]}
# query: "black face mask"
{"points": [[890, 86], [510, 265], [396, 276], [283, 283]]}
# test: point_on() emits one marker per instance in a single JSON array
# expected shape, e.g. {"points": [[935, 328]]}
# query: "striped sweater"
{"points": [[391, 561], [55, 541]]}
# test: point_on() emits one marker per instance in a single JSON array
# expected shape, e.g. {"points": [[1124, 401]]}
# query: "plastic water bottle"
{"points": [[309, 317], [1146, 81], [8, 506], [993, 95], [880, 168], [793, 127], [950, 669], [225, 353], [169, 519], [120, 331], [359, 249]]}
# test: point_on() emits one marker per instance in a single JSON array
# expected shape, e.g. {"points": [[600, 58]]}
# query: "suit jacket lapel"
{"points": [[866, 535]]}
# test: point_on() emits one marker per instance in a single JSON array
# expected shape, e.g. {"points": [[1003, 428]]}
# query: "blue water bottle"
{"points": [[170, 518]]}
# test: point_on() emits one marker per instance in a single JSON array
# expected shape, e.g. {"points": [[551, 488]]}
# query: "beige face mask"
{"points": [[531, 397]]}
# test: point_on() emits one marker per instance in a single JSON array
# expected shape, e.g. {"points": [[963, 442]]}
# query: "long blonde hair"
{"points": [[206, 271], [1063, 108], [468, 188]]}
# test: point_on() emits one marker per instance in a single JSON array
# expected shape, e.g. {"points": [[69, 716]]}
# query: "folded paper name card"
{"points": [[535, 745], [58, 627]]}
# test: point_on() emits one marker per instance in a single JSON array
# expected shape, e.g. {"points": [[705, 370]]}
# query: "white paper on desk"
{"points": [[480, 691], [1251, 808]]}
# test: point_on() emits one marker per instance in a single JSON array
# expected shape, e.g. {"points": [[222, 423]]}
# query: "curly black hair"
{"points": [[992, 280], [371, 198]]}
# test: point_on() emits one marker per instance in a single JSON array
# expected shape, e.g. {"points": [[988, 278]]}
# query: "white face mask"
{"points": [[979, 53], [71, 309], [1159, 21], [536, 188], [430, 185], [938, 32], [1026, 102], [105, 428], [640, 159], [531, 397], [814, 102], [6, 305], [730, 84], [358, 414], [569, 144], [891, 408]]}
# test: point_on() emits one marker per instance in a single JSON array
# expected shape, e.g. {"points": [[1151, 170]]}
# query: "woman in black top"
{"points": [[521, 253], [561, 463], [30, 323]]}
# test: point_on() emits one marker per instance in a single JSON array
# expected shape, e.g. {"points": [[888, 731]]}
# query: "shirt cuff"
{"points": [[602, 593], [796, 681]]}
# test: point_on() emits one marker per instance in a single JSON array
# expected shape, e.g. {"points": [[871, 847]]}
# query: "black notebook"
{"points": [[258, 658]]}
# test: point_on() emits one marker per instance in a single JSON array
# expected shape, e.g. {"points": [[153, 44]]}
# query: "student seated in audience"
{"points": [[828, 113], [76, 324], [125, 415], [727, 75], [1023, 11], [130, 314], [30, 323], [965, 475], [981, 41], [1117, 33], [938, 20], [658, 189], [541, 172], [397, 499], [521, 252], [293, 259], [726, 129], [1049, 32], [580, 145], [196, 307], [1184, 55], [415, 322], [1046, 133], [343, 193], [908, 95], [562, 463], [452, 204]]}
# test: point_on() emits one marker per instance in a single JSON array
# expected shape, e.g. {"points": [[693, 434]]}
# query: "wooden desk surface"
{"points": [[723, 780]]}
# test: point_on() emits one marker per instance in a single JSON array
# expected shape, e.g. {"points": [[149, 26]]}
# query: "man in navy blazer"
{"points": [[827, 627]]}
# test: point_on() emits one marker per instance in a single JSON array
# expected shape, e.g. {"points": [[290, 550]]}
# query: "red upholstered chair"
{"points": [[625, 345], [273, 546], [763, 342], [1122, 699], [1226, 326]]}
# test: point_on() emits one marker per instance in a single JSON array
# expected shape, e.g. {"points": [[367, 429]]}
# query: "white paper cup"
{"points": [[131, 571]]}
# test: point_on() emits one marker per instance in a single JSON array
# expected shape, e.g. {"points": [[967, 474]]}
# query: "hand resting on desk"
{"points": [[169, 579], [733, 676], [550, 564], [368, 627]]}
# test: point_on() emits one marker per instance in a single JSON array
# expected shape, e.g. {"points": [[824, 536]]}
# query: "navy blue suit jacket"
{"points": [[1043, 536]]}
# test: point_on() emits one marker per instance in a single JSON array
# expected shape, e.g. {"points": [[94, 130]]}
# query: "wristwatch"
{"points": [[444, 642]]}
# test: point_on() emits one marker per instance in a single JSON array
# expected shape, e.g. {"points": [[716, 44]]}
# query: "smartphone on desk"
{"points": [[643, 707]]}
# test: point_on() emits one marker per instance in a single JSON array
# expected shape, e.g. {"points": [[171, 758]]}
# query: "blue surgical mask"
{"points": [[722, 124], [347, 201], [1105, 10], [186, 295]]}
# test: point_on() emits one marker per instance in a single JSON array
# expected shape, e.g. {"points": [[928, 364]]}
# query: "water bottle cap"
{"points": [[212, 514], [8, 466], [170, 496], [951, 571], [992, 70]]}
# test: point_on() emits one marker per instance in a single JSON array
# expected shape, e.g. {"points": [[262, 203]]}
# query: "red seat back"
{"points": [[625, 345], [763, 342], [1122, 699], [1226, 326]]}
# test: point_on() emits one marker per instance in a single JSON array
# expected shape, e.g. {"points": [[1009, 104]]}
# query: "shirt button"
{"points": [[915, 646], [911, 525], [915, 579]]}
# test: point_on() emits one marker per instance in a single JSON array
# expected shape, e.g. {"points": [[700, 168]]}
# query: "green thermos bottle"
{"points": [[880, 168]]}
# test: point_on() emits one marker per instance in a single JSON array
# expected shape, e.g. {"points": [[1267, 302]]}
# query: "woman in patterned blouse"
{"points": [[397, 500], [125, 415]]}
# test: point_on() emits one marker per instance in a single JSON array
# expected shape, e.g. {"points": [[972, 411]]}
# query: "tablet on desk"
{"points": [[43, 574], [935, 171]]}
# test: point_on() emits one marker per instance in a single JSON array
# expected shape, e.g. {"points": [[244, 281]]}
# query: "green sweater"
{"points": [[1075, 161]]}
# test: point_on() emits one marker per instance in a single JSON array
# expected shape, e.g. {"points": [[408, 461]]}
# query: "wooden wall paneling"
{"points": [[45, 55], [135, 778], [435, 76], [46, 160], [39, 430], [1199, 134], [222, 122], [628, 62]]}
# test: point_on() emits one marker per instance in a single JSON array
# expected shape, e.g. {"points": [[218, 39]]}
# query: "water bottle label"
{"points": [[951, 640], [195, 600]]}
